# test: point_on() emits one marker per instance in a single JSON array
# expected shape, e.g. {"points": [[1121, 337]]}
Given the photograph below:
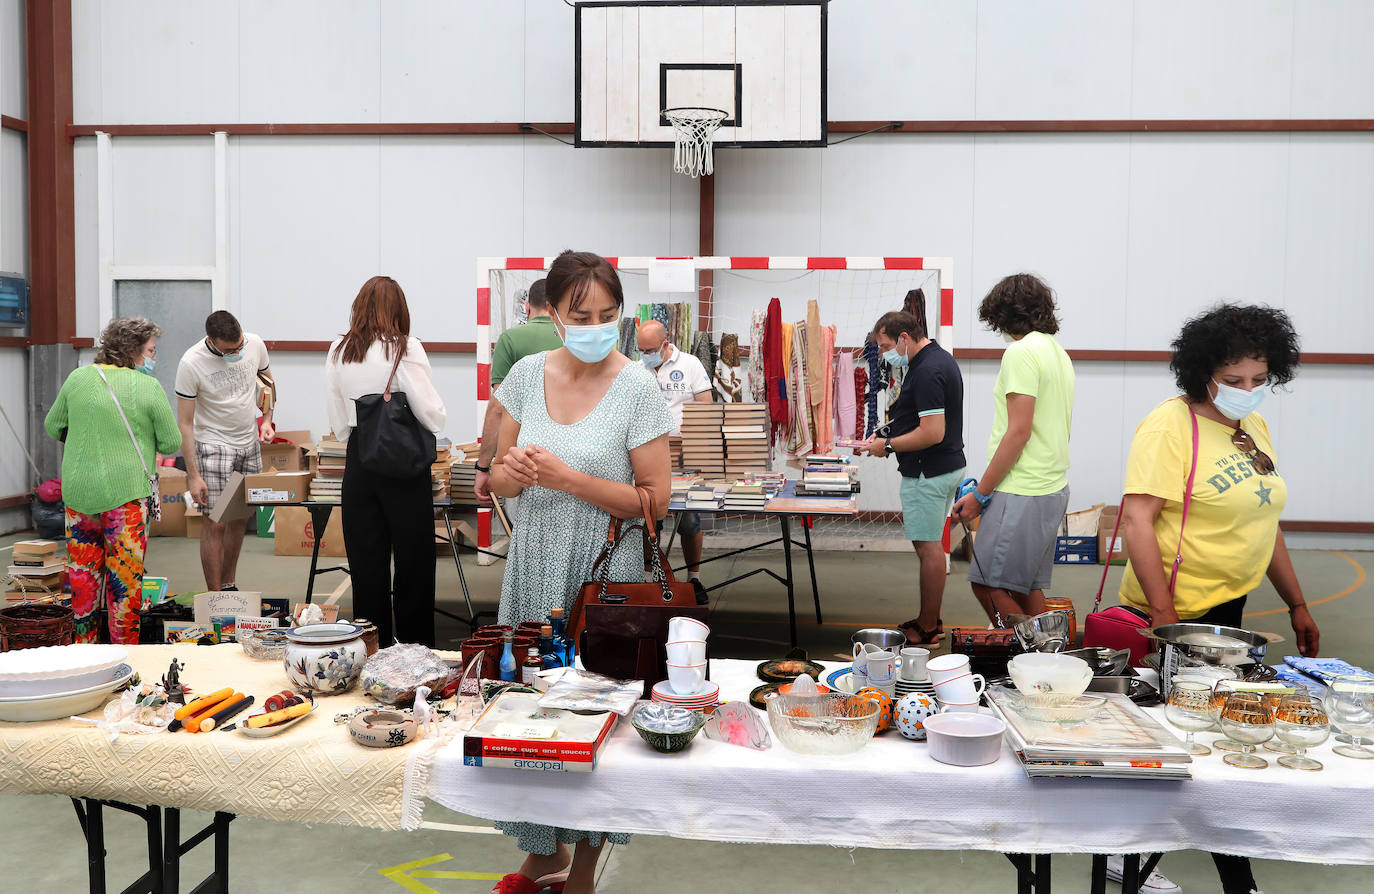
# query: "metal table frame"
{"points": [[165, 847]]}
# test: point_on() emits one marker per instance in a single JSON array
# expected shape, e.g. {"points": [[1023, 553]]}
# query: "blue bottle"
{"points": [[550, 650], [510, 668], [560, 635]]}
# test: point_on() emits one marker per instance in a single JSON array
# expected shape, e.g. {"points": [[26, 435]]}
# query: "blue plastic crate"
{"points": [[1075, 550]]}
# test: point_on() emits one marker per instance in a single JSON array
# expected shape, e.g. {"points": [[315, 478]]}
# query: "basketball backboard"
{"points": [[763, 63]]}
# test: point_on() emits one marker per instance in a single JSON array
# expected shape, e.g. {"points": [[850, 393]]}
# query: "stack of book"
{"points": [[826, 474], [1120, 741], [439, 469], [745, 432], [681, 484], [702, 496], [702, 447], [744, 496], [675, 451], [36, 572], [327, 485], [462, 480]]}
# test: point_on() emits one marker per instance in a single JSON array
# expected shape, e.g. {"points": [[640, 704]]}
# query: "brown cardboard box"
{"points": [[286, 457], [295, 536], [195, 519], [271, 488], [171, 486], [1105, 525], [232, 505]]}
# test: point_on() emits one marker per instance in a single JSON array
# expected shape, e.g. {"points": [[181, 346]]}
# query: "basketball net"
{"points": [[693, 128]]}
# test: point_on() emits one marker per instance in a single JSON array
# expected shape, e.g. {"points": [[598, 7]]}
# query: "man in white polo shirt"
{"points": [[217, 412], [681, 379]]}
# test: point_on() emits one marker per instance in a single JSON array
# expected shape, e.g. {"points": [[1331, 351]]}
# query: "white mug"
{"points": [[959, 707], [686, 652], [961, 689], [681, 628], [882, 667], [686, 679], [860, 663], [914, 664], [947, 667]]}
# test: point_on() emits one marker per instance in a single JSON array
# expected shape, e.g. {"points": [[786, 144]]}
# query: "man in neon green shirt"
{"points": [[1024, 490]]}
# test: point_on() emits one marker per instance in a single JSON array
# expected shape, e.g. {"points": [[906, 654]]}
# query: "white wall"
{"points": [[15, 477], [1136, 232]]}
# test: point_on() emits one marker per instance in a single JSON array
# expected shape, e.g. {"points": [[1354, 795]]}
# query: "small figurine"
{"points": [[171, 681]]}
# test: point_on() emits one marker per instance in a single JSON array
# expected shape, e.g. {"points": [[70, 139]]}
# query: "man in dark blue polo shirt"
{"points": [[927, 435]]}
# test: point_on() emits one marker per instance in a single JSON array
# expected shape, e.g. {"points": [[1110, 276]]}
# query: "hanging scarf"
{"points": [[774, 364], [757, 390], [727, 373]]}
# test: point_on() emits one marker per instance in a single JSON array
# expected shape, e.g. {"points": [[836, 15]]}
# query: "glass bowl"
{"points": [[1057, 708], [825, 725], [270, 643], [666, 728]]}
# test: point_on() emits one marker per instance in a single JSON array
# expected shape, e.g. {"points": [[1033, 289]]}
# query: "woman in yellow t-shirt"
{"points": [[1222, 362]]}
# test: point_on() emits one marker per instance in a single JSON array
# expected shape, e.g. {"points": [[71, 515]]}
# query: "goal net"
{"points": [[851, 294]]}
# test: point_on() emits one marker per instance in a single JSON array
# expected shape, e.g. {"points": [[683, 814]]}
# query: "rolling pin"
{"points": [[261, 720], [214, 720], [195, 706], [193, 723]]}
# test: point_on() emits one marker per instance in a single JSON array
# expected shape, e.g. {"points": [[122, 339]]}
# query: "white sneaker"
{"points": [[1155, 884]]}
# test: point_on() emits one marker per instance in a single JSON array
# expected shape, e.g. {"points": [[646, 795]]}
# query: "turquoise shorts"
{"points": [[926, 503]]}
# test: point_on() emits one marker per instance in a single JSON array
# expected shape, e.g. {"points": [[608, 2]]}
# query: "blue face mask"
{"points": [[1236, 403], [652, 359], [590, 344], [893, 358], [233, 357], [147, 366]]}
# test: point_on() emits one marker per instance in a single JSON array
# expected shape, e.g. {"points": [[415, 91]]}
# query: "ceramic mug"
{"points": [[914, 664], [686, 679], [961, 689], [681, 629], [959, 707], [882, 667], [686, 652], [946, 667]]}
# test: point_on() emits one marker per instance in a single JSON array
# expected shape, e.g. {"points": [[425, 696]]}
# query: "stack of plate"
{"points": [[705, 697], [906, 687], [58, 681]]}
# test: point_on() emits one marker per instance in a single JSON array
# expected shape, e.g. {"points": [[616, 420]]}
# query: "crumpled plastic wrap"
{"points": [[579, 690], [139, 711], [736, 723], [392, 675]]}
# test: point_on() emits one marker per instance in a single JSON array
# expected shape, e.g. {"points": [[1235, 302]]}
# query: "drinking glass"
{"points": [[1222, 690], [1247, 719], [1301, 721], [1190, 709], [1350, 704]]}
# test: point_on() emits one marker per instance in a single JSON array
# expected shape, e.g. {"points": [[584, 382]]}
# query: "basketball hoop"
{"points": [[693, 128]]}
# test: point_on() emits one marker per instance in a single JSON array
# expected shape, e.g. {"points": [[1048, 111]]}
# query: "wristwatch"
{"points": [[485, 470], [887, 446], [982, 500]]}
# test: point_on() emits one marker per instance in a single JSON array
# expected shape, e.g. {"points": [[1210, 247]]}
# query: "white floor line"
{"points": [[452, 827], [339, 591]]}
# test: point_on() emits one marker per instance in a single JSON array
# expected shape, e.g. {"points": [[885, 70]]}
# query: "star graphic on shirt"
{"points": [[1263, 493]]}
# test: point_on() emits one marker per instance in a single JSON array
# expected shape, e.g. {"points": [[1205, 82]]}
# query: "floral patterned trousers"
{"points": [[105, 559]]}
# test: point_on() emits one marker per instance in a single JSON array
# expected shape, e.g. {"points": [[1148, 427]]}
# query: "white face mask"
{"points": [[1236, 403]]}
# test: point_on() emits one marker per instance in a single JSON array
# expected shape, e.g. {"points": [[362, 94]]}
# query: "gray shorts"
{"points": [[1014, 545]]}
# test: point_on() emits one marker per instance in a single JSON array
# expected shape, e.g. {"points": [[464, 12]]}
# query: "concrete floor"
{"points": [[749, 621]]}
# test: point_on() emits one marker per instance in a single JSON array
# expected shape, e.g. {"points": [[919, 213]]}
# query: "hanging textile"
{"points": [[702, 350], [875, 384], [796, 442], [757, 391], [685, 324], [773, 365], [659, 312], [915, 304], [824, 409], [861, 399], [815, 360], [628, 329], [727, 377], [844, 396]]}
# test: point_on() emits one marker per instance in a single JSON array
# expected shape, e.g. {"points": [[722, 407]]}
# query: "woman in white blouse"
{"points": [[385, 517]]}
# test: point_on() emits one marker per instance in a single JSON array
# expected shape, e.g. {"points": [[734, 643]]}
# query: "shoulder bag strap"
{"points": [[400, 352], [130, 429], [1187, 502]]}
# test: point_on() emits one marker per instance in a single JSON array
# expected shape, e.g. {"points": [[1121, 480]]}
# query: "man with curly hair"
{"points": [[1024, 491], [217, 412]]}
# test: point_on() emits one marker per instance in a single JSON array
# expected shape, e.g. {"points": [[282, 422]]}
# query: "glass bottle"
{"points": [[550, 650], [508, 663], [530, 667], [560, 633]]}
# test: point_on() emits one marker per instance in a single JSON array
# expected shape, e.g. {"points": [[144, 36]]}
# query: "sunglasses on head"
{"points": [[1241, 440]]}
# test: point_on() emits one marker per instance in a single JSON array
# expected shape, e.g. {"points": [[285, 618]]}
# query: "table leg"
{"points": [[171, 849], [811, 564], [1099, 875], [92, 824], [222, 851], [786, 524], [1042, 873], [1130, 874], [319, 520], [458, 563]]}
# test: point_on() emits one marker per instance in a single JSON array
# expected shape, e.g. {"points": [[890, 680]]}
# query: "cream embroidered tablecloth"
{"points": [[313, 772]]}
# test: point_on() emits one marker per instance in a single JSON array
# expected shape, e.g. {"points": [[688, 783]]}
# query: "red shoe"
{"points": [[515, 883]]}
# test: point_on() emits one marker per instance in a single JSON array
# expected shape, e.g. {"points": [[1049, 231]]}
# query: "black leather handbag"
{"points": [[391, 442]]}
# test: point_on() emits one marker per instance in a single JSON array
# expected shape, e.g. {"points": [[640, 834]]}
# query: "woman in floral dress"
{"points": [[583, 426]]}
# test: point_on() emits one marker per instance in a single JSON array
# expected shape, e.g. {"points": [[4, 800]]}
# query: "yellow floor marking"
{"points": [[1359, 582], [405, 874]]}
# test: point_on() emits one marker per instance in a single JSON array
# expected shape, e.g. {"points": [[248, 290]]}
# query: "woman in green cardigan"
{"points": [[104, 480]]}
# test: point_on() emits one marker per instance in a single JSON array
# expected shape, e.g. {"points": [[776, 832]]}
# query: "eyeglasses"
{"points": [[1241, 440], [209, 343]]}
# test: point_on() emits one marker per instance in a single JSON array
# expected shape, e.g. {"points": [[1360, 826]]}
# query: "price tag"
{"points": [[525, 730]]}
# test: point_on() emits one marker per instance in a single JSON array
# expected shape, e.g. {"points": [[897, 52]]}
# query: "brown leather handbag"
{"points": [[620, 627]]}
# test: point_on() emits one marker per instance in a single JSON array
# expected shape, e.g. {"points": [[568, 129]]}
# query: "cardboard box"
{"points": [[232, 504], [295, 535], [278, 487], [195, 519], [171, 486], [1105, 525], [286, 457]]}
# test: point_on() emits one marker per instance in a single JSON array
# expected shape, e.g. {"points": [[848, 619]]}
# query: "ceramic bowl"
{"points": [[666, 728], [1034, 672], [383, 729], [831, 725], [965, 740], [325, 658]]}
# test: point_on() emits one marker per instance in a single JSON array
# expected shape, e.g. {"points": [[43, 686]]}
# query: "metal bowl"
{"points": [[1104, 662], [1182, 645], [882, 637], [1046, 632]]}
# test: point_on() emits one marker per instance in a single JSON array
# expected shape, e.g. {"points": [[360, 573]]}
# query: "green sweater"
{"points": [[99, 467]]}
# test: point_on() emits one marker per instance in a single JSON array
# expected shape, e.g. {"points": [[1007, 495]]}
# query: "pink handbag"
{"points": [[1119, 626]]}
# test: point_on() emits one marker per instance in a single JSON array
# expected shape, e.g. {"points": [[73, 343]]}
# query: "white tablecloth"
{"points": [[719, 792]]}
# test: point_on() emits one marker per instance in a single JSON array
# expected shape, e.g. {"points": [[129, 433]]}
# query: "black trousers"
{"points": [[1235, 872], [386, 518]]}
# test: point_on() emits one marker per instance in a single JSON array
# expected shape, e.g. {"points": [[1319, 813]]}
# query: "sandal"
{"points": [[515, 883], [916, 635]]}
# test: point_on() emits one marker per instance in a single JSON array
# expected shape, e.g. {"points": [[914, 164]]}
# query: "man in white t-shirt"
{"points": [[217, 411], [681, 379]]}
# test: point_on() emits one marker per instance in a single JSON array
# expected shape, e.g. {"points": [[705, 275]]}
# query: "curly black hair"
{"points": [[1019, 304], [1231, 332]]}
